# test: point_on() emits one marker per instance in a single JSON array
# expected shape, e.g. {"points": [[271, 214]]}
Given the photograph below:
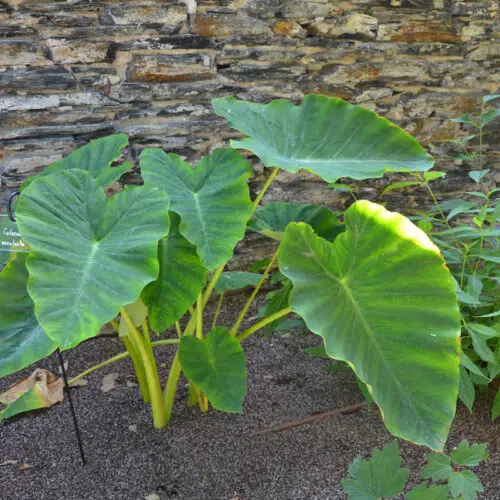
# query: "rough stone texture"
{"points": [[74, 70]]}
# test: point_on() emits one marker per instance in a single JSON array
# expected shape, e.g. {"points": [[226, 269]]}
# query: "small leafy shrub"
{"points": [[148, 259], [444, 477], [468, 232]]}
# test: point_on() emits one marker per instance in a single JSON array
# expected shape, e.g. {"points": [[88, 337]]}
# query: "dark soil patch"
{"points": [[213, 456]]}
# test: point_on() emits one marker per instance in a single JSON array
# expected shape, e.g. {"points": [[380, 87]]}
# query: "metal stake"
{"points": [[10, 202], [72, 408]]}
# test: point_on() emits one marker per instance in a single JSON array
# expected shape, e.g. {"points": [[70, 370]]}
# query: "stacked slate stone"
{"points": [[75, 70]]}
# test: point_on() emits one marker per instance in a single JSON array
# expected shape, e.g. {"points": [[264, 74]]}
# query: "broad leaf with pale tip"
{"points": [[212, 199], [95, 157], [216, 365], [90, 255], [22, 339], [383, 300], [324, 135]]}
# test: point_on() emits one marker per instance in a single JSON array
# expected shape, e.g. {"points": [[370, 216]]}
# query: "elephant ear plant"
{"points": [[149, 258]]}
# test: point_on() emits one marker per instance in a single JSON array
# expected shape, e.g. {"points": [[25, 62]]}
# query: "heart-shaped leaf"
{"points": [[324, 135], [181, 278], [95, 157], [272, 219], [22, 339], [89, 255], [217, 366], [212, 199], [383, 300]]}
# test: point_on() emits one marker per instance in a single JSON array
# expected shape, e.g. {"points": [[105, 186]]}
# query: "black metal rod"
{"points": [[10, 202], [72, 408]]}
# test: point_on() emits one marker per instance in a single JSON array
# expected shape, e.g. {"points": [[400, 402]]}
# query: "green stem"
{"points": [[211, 285], [136, 361], [266, 185], [466, 254], [199, 317], [481, 137], [151, 370], [147, 338], [138, 368], [92, 369], [171, 387], [114, 359], [438, 206], [199, 334], [191, 326], [234, 330], [165, 342], [178, 329], [261, 324], [217, 311]]}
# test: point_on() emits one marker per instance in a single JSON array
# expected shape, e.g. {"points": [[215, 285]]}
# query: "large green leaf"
{"points": [[22, 339], [181, 278], [89, 255], [383, 300], [272, 219], [95, 157], [324, 135], [217, 366], [212, 199]]}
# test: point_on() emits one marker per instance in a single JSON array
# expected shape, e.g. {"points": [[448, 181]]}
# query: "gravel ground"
{"points": [[213, 456]]}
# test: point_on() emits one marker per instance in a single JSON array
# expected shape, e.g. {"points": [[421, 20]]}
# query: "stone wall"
{"points": [[74, 70]]}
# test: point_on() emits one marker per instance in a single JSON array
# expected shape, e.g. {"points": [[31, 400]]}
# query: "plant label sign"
{"points": [[10, 238]]}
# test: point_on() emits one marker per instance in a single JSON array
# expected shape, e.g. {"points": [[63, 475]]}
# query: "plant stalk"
{"points": [[266, 185], [199, 335], [114, 359], [217, 311], [151, 372], [255, 291], [261, 324], [171, 387], [138, 368], [136, 360]]}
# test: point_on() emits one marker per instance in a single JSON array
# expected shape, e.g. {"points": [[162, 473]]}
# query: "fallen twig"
{"points": [[313, 418]]}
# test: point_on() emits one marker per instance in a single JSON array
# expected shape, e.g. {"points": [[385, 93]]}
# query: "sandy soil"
{"points": [[213, 456]]}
